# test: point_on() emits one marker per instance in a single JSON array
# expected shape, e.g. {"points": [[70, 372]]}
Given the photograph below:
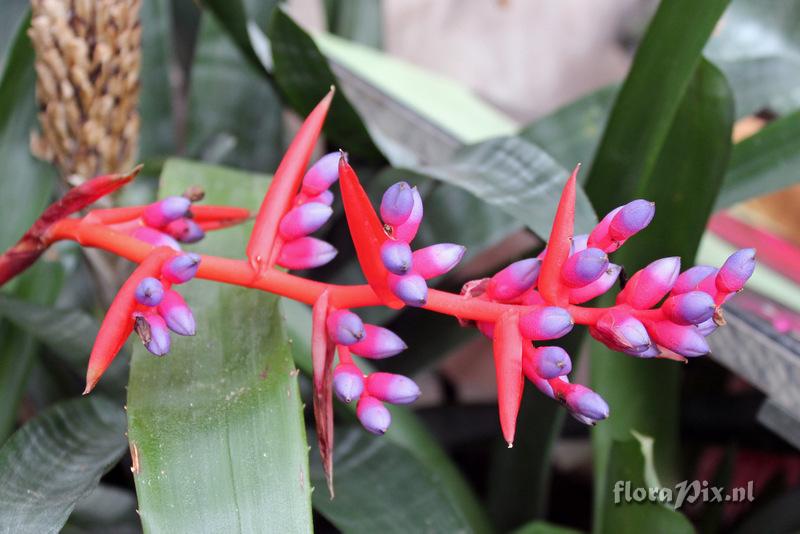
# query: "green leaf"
{"points": [[360, 21], [224, 88], [303, 74], [629, 463], [106, 509], [55, 460], [763, 163], [684, 182], [406, 438], [12, 12], [157, 137], [757, 47], [542, 527], [245, 21], [216, 426]]}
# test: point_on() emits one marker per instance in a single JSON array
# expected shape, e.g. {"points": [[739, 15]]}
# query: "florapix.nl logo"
{"points": [[683, 492]]}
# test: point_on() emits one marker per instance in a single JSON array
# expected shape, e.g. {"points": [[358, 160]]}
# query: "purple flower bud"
{"points": [[396, 257], [177, 314], [685, 340], [585, 402], [584, 267], [633, 217], [304, 219], [579, 243], [410, 288], [649, 285], [348, 382], [306, 253], [185, 230], [345, 327], [689, 280], [693, 307], [408, 229], [322, 174], [155, 238], [599, 237], [736, 270], [389, 387], [436, 260], [373, 415], [378, 343], [549, 322], [707, 327], [397, 204], [164, 211], [586, 293], [551, 362], [181, 268], [152, 330], [326, 197], [149, 292], [514, 280], [620, 331]]}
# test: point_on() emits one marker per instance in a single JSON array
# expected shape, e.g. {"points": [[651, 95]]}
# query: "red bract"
{"points": [[508, 344]]}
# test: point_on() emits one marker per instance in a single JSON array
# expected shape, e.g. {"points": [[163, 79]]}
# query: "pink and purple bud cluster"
{"points": [[160, 308], [168, 222], [352, 337], [401, 211], [311, 210]]}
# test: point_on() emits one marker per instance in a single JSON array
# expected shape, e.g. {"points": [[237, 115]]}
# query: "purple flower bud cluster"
{"points": [[168, 222], [312, 209], [353, 337], [160, 308], [401, 211]]}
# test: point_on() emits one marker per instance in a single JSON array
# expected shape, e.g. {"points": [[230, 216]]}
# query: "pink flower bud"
{"points": [[397, 204], [736, 270], [586, 293], [326, 197], [322, 174], [410, 288], [306, 253], [649, 285], [620, 331], [549, 362], [689, 280], [185, 230], [599, 237], [348, 382], [149, 292], [152, 330], [579, 243], [304, 219], [396, 256], [531, 298], [584, 267], [345, 327], [633, 217], [155, 238], [549, 322], [408, 229], [585, 402], [378, 343], [514, 280], [436, 260], [685, 340], [693, 307], [181, 268], [707, 327], [164, 211], [486, 328], [373, 415], [177, 314], [389, 387]]}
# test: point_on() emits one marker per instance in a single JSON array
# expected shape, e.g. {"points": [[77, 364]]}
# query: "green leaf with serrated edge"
{"points": [[216, 425]]}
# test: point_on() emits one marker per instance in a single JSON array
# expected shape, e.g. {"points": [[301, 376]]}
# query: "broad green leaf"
{"points": [[224, 88], [55, 460], [245, 21], [360, 21], [763, 163], [12, 12], [216, 427], [106, 509], [629, 464], [542, 527], [303, 74], [757, 47], [683, 182], [406, 438]]}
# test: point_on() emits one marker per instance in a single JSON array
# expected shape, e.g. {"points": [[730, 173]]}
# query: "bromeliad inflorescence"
{"points": [[660, 312]]}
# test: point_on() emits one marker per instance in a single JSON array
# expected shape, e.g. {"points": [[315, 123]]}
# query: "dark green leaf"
{"points": [[157, 136], [541, 527], [245, 21], [303, 74], [217, 426], [360, 21], [55, 460], [12, 12]]}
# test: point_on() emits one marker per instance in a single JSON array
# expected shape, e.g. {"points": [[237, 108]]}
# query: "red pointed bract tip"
{"points": [[550, 286], [367, 233], [508, 367], [284, 186], [322, 350], [119, 321]]}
